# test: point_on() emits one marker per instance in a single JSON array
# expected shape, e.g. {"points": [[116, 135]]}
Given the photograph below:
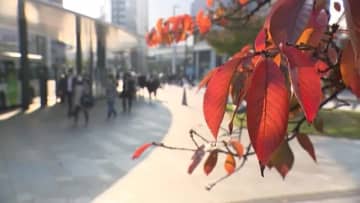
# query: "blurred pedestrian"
{"points": [[70, 83], [83, 99], [152, 85], [111, 94], [43, 77], [61, 88], [129, 90]]}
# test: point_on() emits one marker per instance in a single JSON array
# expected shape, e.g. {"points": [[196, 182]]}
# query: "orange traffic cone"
{"points": [[184, 99]]}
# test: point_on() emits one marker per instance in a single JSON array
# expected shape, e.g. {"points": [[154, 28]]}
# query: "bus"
{"points": [[10, 81]]}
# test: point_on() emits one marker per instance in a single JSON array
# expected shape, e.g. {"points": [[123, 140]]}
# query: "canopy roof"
{"points": [[60, 24]]}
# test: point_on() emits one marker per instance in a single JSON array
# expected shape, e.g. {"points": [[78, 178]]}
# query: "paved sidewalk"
{"points": [[162, 176], [349, 97], [44, 159]]}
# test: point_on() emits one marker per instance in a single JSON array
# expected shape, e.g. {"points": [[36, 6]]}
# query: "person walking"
{"points": [[83, 100], [61, 88], [129, 89], [43, 86], [111, 94], [70, 83], [152, 85]]}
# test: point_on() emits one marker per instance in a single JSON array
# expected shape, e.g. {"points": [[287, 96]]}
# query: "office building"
{"points": [[133, 15]]}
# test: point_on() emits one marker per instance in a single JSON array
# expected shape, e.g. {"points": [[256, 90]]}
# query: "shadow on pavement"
{"points": [[44, 158]]}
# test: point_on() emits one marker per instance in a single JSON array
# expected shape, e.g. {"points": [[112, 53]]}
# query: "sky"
{"points": [[157, 8]]}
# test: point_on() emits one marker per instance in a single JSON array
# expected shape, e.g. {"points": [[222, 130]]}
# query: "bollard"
{"points": [[184, 99]]}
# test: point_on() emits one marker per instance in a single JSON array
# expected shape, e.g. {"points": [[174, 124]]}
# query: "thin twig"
{"points": [[296, 129], [193, 132], [243, 161]]}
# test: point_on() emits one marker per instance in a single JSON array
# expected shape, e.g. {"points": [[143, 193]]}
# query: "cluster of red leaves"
{"points": [[174, 29], [212, 159], [273, 74], [178, 28], [269, 82]]}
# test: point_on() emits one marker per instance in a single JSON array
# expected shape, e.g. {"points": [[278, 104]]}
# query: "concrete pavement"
{"points": [[162, 176], [44, 159]]}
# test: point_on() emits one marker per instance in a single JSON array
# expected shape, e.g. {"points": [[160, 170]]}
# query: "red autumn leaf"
{"points": [[320, 4], [238, 147], [139, 151], [333, 55], [242, 2], [306, 144], [267, 109], [337, 6], [211, 162], [353, 21], [223, 22], [243, 52], [315, 29], [174, 23], [350, 71], [319, 124], [216, 95], [206, 79], [282, 159], [159, 29], [230, 164], [287, 20], [203, 22], [239, 88], [260, 41], [197, 157], [322, 68], [209, 3], [219, 12], [305, 80], [188, 24]]}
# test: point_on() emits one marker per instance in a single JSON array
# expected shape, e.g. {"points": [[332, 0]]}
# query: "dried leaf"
{"points": [[230, 164], [337, 6], [306, 144], [211, 162], [197, 157], [139, 151], [282, 159], [319, 124], [238, 147]]}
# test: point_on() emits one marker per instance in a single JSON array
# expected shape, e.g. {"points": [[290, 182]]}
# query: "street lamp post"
{"points": [[173, 61]]}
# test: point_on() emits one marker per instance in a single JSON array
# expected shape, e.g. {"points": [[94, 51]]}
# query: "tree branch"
{"points": [[296, 129]]}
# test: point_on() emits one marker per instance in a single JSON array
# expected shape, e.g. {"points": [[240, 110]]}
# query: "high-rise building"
{"points": [[118, 12], [204, 56], [133, 15], [56, 2]]}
